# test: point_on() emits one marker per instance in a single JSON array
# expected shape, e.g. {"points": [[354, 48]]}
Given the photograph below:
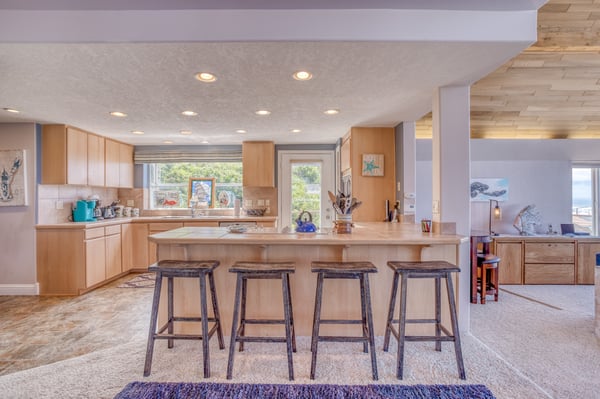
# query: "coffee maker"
{"points": [[84, 211]]}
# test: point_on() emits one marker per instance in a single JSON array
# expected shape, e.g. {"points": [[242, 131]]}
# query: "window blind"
{"points": [[173, 154]]}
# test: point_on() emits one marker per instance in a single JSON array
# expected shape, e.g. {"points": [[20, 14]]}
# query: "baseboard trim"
{"points": [[20, 289]]}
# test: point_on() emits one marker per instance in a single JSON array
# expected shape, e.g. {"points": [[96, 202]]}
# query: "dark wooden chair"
{"points": [[429, 269], [261, 270], [170, 269], [487, 282], [344, 270]]}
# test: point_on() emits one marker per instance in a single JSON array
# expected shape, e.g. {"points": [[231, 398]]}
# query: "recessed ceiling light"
{"points": [[263, 112], [302, 75], [189, 113], [118, 114], [204, 141], [186, 132], [167, 142], [241, 131], [206, 77], [296, 130], [12, 110], [332, 112], [139, 132]]}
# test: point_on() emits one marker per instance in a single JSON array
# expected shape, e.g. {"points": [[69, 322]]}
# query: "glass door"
{"points": [[304, 179]]}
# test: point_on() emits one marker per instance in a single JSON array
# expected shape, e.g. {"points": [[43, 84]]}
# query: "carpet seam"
{"points": [[531, 299]]}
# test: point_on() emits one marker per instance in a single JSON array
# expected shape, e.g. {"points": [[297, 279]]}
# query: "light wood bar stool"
{"points": [[200, 269], [344, 270], [428, 269], [261, 270]]}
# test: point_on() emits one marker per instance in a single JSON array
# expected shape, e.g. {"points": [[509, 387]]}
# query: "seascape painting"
{"points": [[12, 185], [489, 189]]}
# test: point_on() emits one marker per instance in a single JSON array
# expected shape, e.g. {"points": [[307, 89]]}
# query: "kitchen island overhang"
{"points": [[375, 242]]}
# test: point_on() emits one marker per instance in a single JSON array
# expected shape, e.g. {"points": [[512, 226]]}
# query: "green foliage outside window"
{"points": [[174, 178], [306, 191]]}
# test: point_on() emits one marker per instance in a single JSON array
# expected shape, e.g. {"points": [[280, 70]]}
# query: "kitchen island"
{"points": [[375, 242]]}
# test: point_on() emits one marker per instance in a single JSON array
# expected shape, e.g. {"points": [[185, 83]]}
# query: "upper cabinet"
{"points": [[64, 155], [373, 189], [258, 159], [119, 164], [73, 156]]}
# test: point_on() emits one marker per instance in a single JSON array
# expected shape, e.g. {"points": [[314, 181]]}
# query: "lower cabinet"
{"points": [[73, 261], [511, 265], [586, 262]]}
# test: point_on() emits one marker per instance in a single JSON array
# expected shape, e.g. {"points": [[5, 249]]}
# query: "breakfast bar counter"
{"points": [[374, 242]]}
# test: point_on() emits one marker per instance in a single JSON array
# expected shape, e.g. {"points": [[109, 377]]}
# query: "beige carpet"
{"points": [[519, 349]]}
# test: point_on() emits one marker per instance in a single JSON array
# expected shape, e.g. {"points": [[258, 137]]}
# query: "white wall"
{"points": [[538, 172], [17, 235]]}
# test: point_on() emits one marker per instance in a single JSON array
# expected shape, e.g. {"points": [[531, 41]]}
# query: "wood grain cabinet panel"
{"points": [[550, 252], [586, 262], [139, 246], [113, 265], [549, 273], [154, 228], [95, 160], [510, 270], [258, 164], [95, 261], [64, 155], [126, 247], [111, 166]]}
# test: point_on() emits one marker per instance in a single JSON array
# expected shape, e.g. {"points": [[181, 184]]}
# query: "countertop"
{"points": [[375, 233], [155, 219]]}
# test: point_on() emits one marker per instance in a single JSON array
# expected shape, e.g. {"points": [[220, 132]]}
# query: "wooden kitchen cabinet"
{"points": [[95, 160], [372, 191], [119, 164], [258, 164], [549, 263], [586, 262], [113, 250], [510, 270], [154, 228], [64, 155], [74, 261], [139, 246], [345, 151], [126, 247]]}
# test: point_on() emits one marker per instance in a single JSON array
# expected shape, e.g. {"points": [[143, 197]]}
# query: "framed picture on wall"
{"points": [[13, 188], [485, 189], [372, 165], [202, 189]]}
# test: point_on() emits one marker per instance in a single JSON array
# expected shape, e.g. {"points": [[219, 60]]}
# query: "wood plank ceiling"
{"points": [[550, 90]]}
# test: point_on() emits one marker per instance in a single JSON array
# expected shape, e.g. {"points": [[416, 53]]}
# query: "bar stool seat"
{"points": [[344, 270], [261, 270], [426, 269], [170, 269]]}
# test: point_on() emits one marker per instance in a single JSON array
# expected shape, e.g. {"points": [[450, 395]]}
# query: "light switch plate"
{"points": [[59, 205]]}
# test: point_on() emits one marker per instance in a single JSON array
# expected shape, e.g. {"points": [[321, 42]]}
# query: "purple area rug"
{"points": [[172, 390]]}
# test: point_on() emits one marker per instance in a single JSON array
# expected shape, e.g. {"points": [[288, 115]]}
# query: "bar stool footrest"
{"points": [[340, 321], [247, 338], [333, 338]]}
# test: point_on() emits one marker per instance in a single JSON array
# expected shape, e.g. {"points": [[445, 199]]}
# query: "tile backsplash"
{"points": [[51, 197]]}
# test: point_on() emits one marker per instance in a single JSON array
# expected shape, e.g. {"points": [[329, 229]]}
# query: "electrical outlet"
{"points": [[436, 206], [130, 203], [267, 203], [59, 205]]}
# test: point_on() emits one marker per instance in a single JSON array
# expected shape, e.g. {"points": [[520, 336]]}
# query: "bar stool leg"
{"points": [[243, 314], [288, 323], [438, 314], [204, 319], [495, 281], [287, 277], [455, 332], [367, 299], [236, 313], [483, 284], [153, 320], [316, 321], [402, 326], [215, 305], [363, 312], [390, 318], [170, 311]]}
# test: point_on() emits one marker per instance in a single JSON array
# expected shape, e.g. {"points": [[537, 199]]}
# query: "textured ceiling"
{"points": [[372, 83], [550, 90]]}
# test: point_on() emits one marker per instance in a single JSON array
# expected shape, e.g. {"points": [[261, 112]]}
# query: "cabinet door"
{"points": [[77, 147], [139, 246], [586, 262], [125, 165], [510, 270], [345, 156], [95, 261], [258, 159], [112, 161], [95, 162], [549, 273], [126, 247], [154, 228], [113, 255]]}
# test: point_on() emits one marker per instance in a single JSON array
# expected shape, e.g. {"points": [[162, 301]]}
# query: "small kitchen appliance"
{"points": [[84, 211]]}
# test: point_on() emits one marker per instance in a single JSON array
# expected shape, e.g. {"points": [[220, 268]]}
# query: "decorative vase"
{"points": [[343, 223]]}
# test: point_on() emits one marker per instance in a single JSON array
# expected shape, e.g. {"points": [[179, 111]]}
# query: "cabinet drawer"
{"points": [[549, 252], [94, 233], [156, 227], [549, 273], [110, 230]]}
